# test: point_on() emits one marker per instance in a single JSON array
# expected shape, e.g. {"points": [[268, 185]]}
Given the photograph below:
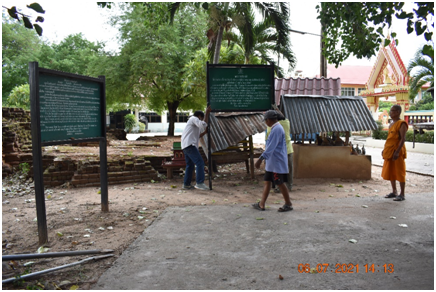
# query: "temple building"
{"points": [[388, 80]]}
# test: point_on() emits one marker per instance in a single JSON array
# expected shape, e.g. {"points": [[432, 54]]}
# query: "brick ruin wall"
{"points": [[17, 149]]}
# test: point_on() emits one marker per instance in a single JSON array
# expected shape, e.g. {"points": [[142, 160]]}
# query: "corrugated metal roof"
{"points": [[307, 86], [316, 113], [230, 128]]}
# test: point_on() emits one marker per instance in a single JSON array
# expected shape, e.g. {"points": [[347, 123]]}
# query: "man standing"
{"points": [[276, 169], [195, 128], [394, 154]]}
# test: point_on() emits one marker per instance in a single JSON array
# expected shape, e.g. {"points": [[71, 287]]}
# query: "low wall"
{"points": [[312, 161], [419, 147]]}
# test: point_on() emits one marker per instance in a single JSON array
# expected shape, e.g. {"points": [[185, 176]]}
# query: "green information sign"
{"points": [[240, 87], [70, 109]]}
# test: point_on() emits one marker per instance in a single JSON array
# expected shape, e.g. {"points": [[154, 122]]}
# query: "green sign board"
{"points": [[240, 87], [70, 108]]}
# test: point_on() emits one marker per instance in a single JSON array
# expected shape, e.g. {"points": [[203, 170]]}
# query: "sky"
{"points": [[63, 19]]}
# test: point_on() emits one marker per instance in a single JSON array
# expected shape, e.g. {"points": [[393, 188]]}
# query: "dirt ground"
{"points": [[75, 221]]}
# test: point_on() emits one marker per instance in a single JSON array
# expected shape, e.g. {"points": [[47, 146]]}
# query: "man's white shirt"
{"points": [[191, 133]]}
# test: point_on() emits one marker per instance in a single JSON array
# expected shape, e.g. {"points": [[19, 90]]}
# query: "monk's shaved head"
{"points": [[397, 107]]}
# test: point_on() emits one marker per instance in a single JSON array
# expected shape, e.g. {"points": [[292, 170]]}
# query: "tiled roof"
{"points": [[315, 113], [350, 74], [307, 86]]}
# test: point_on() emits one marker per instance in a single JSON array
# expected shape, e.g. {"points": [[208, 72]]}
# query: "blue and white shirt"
{"points": [[275, 153]]}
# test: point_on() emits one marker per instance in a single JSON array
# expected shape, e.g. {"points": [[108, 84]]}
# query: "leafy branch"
{"points": [[15, 14]]}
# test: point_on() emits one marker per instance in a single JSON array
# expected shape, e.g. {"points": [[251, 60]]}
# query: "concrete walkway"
{"points": [[237, 247]]}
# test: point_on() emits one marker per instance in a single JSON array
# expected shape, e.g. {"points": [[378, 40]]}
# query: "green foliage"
{"points": [[74, 54], [19, 97], [377, 134], [384, 105], [421, 70], [262, 40], [19, 47], [426, 103], [14, 13], [129, 122], [24, 167], [150, 68], [358, 26], [141, 127], [427, 137], [224, 16]]}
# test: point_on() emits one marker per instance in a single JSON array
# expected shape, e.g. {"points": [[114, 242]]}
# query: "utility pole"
{"points": [[323, 60]]}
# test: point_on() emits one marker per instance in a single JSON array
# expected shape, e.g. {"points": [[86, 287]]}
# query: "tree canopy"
{"points": [[150, 68], [223, 16], [19, 47], [357, 27], [74, 54]]}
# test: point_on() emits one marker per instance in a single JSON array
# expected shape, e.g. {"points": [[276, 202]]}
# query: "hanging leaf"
{"points": [[35, 6], [13, 13], [386, 42], [27, 22]]}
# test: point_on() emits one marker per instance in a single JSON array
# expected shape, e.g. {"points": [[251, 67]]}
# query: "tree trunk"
{"points": [[219, 38], [172, 110]]}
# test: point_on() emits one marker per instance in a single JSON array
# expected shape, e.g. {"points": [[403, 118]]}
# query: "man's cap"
{"points": [[271, 114]]}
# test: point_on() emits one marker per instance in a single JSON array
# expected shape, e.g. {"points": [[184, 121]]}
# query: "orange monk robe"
{"points": [[394, 170]]}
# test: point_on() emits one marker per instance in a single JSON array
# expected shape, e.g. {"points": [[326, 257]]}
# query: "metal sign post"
{"points": [[37, 153], [65, 108]]}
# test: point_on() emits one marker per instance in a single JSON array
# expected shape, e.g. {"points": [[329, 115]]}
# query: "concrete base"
{"points": [[312, 161]]}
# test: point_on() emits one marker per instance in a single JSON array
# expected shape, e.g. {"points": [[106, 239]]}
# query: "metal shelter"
{"points": [[321, 113]]}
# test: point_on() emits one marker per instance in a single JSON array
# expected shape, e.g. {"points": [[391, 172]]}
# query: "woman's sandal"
{"points": [[285, 208], [399, 198], [257, 207], [391, 195]]}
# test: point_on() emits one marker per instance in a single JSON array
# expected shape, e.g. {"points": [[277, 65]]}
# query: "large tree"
{"points": [[153, 58], [421, 71], [261, 41], [74, 54], [223, 16], [357, 27], [19, 47]]}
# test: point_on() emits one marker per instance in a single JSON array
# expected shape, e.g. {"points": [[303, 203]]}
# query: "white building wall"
{"points": [[163, 127]]}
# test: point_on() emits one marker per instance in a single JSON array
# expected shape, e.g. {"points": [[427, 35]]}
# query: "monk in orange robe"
{"points": [[394, 154]]}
